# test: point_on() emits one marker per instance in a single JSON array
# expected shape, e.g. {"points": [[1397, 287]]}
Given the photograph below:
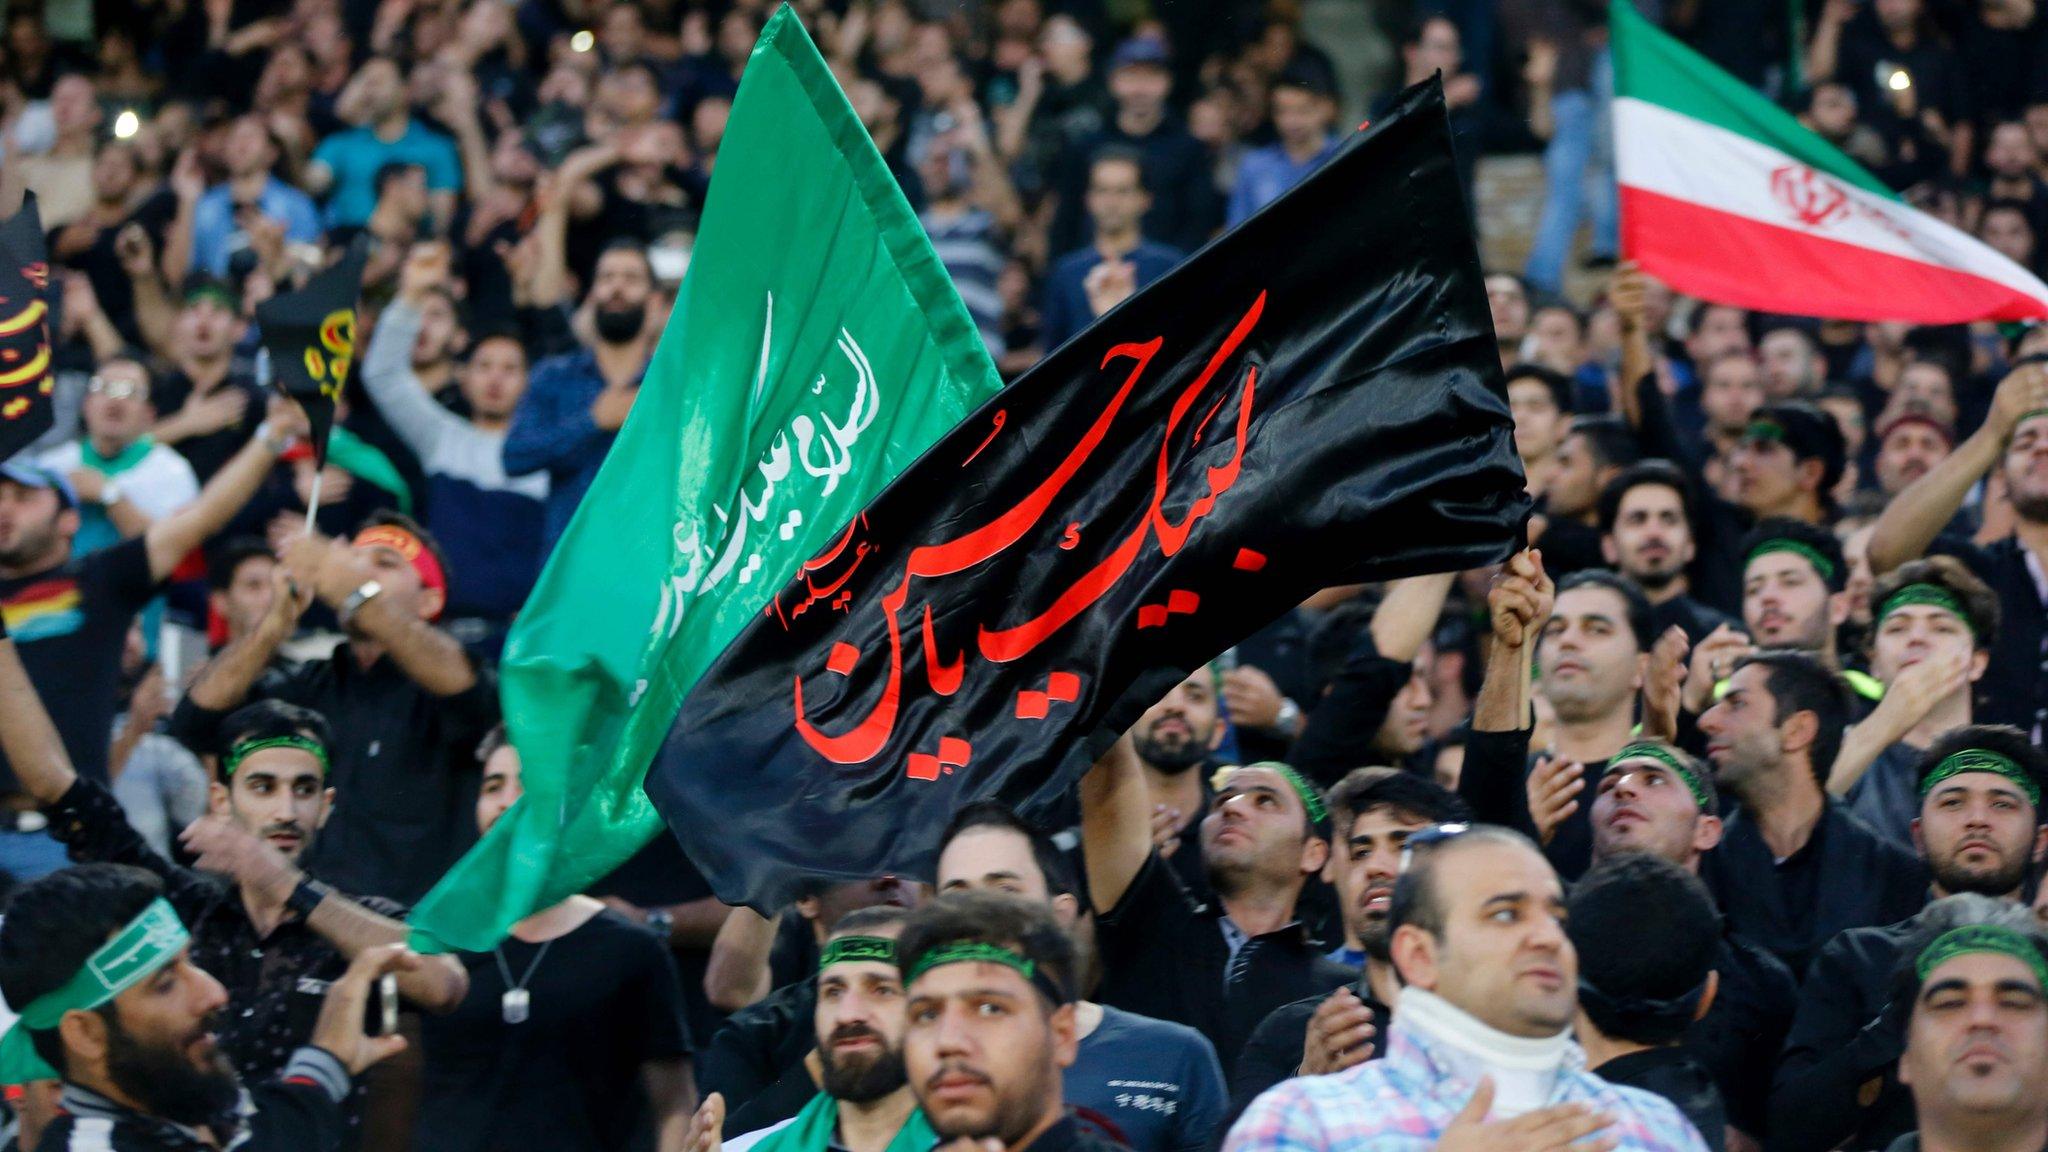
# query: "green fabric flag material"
{"points": [[816, 349], [813, 1129]]}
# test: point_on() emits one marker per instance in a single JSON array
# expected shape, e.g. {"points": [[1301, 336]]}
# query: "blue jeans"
{"points": [[26, 856], [1578, 171]]}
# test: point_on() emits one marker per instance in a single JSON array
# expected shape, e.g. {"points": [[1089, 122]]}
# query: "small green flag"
{"points": [[816, 349]]}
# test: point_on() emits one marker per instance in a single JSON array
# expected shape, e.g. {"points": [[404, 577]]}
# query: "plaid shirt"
{"points": [[1403, 1101]]}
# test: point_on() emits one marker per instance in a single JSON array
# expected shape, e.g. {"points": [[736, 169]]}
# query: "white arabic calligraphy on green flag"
{"points": [[817, 348]]}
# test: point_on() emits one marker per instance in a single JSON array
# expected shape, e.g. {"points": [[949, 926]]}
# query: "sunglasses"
{"points": [[1425, 837], [115, 389]]}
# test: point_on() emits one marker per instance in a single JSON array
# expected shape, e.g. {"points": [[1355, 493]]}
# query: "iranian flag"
{"points": [[1727, 197]]}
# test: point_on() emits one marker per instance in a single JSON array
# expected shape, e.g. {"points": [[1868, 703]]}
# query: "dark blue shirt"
{"points": [[553, 432], [1066, 308]]}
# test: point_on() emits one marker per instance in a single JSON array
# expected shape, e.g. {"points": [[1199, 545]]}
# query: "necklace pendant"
{"points": [[515, 1005]]}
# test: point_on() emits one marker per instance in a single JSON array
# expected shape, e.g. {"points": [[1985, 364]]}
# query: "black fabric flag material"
{"points": [[25, 377], [1313, 399], [310, 335]]}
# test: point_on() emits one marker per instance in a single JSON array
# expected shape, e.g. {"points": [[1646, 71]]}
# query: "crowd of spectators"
{"points": [[1786, 605]]}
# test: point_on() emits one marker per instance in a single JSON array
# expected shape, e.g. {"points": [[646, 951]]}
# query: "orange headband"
{"points": [[411, 547]]}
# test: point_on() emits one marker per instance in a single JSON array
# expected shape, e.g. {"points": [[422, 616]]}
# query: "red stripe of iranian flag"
{"points": [[1727, 197]]}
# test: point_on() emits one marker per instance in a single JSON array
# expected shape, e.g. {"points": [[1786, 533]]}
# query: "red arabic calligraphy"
{"points": [[867, 738]]}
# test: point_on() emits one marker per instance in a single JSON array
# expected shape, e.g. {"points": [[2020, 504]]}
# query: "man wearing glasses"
{"points": [[125, 480], [1480, 1052]]}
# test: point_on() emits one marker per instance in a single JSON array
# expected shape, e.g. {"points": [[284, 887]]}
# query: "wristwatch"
{"points": [[267, 432], [356, 600], [110, 493], [307, 896], [661, 922], [1288, 717]]}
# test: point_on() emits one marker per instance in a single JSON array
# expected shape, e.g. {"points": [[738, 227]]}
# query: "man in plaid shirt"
{"points": [[1479, 1055]]}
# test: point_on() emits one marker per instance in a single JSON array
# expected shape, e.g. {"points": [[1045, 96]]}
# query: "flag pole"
{"points": [[313, 499]]}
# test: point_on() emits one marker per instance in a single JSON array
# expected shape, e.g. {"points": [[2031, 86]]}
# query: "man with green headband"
{"points": [[1220, 967], [112, 1004], [1930, 643], [1974, 987], [866, 1104], [274, 938], [1979, 831], [2013, 441], [988, 983]]}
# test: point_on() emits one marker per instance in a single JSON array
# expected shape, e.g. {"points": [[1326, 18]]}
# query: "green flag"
{"points": [[816, 349]]}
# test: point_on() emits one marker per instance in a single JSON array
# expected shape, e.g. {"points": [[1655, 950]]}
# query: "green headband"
{"points": [[1982, 760], [150, 941], [1764, 430], [879, 949], [1982, 938], [1311, 800], [1821, 564], [247, 748], [983, 952], [1664, 756], [1931, 594]]}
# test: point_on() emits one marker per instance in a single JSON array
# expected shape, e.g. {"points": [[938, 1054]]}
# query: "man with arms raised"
{"points": [[1480, 1053]]}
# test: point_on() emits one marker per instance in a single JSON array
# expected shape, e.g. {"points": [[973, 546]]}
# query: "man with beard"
{"points": [[1479, 1051], [1646, 516], [1794, 867], [112, 1004], [1979, 830], [1911, 439], [1591, 455], [70, 617], [1930, 646], [576, 402], [1655, 799], [866, 1104], [988, 983], [1379, 808], [274, 937], [1172, 741], [1178, 1102], [1975, 999], [412, 703], [572, 1036], [1163, 954], [2014, 439], [1594, 650]]}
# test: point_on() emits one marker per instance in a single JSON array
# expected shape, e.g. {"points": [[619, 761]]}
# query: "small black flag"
{"points": [[25, 378], [311, 338], [1313, 399]]}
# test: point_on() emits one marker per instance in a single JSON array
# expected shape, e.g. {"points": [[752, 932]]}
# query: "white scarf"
{"points": [[1524, 1071]]}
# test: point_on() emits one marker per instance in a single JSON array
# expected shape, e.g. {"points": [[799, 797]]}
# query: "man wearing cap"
{"points": [[1930, 644], [2014, 440], [1657, 800], [1975, 998], [1222, 967], [412, 704], [1185, 207], [1979, 831], [1480, 1052], [866, 1104], [988, 984], [1378, 808], [70, 616], [1794, 867], [1911, 439], [113, 1004], [206, 409], [274, 937]]}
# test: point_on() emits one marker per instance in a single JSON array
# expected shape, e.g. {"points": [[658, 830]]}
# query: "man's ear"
{"points": [[1414, 953], [1315, 852], [217, 799], [326, 809], [84, 1034], [1707, 1000], [1066, 1035]]}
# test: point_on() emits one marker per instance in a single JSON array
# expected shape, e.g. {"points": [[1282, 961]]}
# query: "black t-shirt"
{"points": [[70, 623], [602, 1001], [1673, 1074], [112, 286], [207, 453]]}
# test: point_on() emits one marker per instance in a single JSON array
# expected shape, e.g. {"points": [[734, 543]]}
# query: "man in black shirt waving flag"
{"points": [[1313, 399]]}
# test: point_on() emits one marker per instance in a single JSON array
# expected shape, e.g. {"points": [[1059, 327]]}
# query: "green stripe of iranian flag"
{"points": [[1727, 197]]}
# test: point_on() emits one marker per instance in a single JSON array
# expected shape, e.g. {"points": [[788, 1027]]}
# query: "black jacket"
{"points": [[300, 1111], [1273, 1053], [1839, 1075]]}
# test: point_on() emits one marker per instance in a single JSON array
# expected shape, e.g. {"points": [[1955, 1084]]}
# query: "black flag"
{"points": [[1313, 399], [25, 378], [311, 338]]}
